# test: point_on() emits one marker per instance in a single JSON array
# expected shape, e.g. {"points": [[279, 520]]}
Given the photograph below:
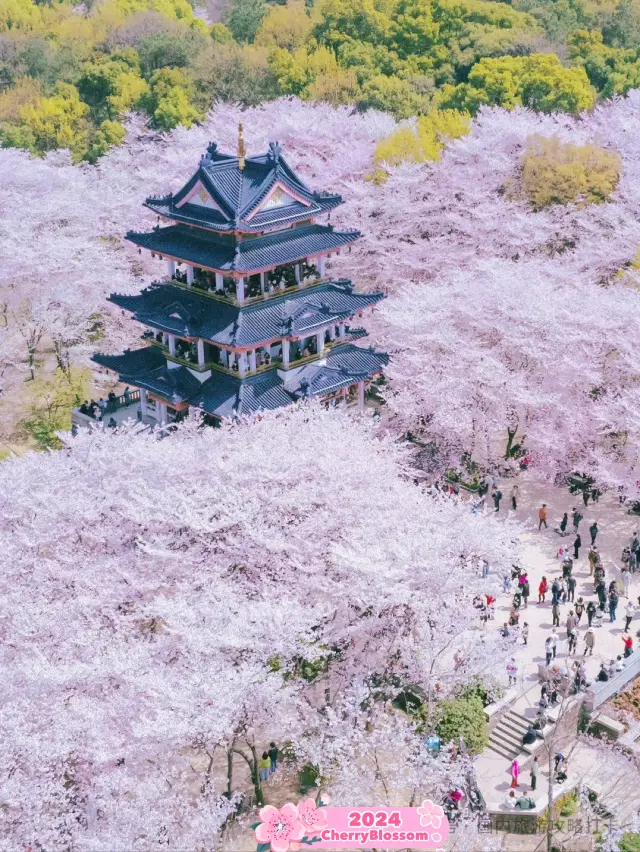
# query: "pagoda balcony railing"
{"points": [[275, 362], [249, 300]]}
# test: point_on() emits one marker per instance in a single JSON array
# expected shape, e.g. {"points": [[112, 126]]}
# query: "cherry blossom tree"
{"points": [[159, 597]]}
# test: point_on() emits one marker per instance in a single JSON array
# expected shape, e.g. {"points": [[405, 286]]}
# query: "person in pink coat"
{"points": [[515, 772]]}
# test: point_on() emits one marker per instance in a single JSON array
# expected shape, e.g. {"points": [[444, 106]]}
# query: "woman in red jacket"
{"points": [[542, 590]]}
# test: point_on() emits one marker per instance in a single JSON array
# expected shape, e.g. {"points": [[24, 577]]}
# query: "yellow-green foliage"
{"points": [[49, 405], [426, 142], [288, 27], [558, 173]]}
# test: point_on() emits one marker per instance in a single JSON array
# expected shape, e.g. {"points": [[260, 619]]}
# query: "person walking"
{"points": [[512, 671], [589, 641], [534, 772], [506, 582], [626, 581], [576, 517], [542, 590], [594, 558], [548, 649], [572, 636], [555, 615], [563, 524], [571, 621], [593, 529], [628, 644], [515, 773], [497, 497], [634, 547], [514, 497], [571, 588], [525, 591], [613, 603], [542, 516], [485, 568], [591, 611], [525, 634], [265, 765], [628, 615], [577, 544], [554, 643], [579, 608], [273, 758], [555, 592]]}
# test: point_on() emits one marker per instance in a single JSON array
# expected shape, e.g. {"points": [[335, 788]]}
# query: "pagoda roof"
{"points": [[345, 365], [147, 368], [245, 256], [224, 395], [222, 196], [186, 313]]}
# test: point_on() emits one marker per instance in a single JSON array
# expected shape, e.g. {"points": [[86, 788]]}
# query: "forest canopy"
{"points": [[69, 74]]}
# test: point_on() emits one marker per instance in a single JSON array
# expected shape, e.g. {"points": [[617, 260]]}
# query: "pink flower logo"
{"points": [[313, 819], [431, 814], [279, 827]]}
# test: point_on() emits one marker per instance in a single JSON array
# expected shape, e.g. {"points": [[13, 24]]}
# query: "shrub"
{"points": [[629, 842], [464, 717], [558, 173], [426, 142]]}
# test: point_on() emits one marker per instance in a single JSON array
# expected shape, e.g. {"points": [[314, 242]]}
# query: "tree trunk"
{"points": [[255, 772], [229, 773], [511, 434]]}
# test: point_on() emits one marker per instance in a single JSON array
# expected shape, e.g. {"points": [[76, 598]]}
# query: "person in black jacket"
{"points": [[591, 611], [577, 544]]}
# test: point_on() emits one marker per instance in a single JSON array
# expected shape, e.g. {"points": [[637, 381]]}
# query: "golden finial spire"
{"points": [[242, 151]]}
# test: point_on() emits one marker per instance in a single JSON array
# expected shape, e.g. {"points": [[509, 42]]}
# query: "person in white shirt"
{"points": [[629, 610], [510, 799], [619, 663]]}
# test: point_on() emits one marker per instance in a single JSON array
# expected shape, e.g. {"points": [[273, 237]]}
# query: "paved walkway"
{"points": [[540, 558]]}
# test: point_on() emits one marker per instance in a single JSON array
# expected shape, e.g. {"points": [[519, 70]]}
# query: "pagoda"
{"points": [[246, 319]]}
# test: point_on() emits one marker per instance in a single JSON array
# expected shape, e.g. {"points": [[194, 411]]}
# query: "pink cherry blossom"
{"points": [[279, 827], [430, 814], [313, 818]]}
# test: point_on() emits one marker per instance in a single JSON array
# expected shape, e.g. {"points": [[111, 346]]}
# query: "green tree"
{"points": [[169, 102], [426, 142], [539, 81], [463, 717], [558, 173], [623, 30], [345, 21], [245, 17], [288, 27], [629, 842], [49, 406], [393, 95], [107, 135], [59, 121], [611, 70]]}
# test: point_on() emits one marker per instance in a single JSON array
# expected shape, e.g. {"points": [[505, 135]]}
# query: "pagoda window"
{"points": [[309, 270], [282, 277], [253, 286]]}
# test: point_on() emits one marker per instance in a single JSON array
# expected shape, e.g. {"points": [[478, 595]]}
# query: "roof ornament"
{"points": [[275, 150], [242, 150]]}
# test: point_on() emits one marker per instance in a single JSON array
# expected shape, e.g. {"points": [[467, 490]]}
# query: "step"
{"points": [[514, 725], [519, 718], [508, 755], [506, 746], [509, 731]]}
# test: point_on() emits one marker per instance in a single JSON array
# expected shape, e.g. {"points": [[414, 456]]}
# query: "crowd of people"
{"points": [[98, 410]]}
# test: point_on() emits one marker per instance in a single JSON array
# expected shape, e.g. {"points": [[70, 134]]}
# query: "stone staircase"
{"points": [[506, 738]]}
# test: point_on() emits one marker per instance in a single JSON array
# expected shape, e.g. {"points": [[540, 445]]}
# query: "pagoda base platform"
{"points": [[224, 396]]}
